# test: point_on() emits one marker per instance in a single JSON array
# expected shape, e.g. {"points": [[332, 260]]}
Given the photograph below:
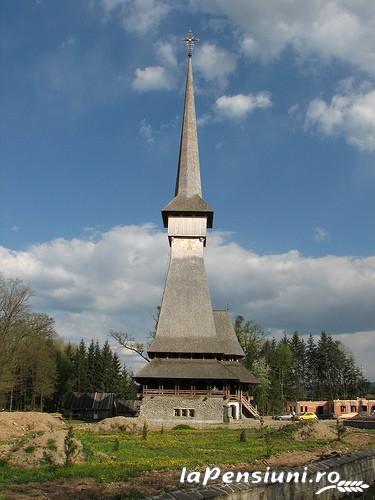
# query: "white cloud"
{"points": [[145, 131], [214, 63], [137, 16], [151, 78], [320, 233], [351, 115], [116, 281], [239, 106], [343, 29], [166, 52]]}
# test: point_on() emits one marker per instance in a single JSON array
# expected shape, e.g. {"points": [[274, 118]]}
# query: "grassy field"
{"points": [[117, 456]]}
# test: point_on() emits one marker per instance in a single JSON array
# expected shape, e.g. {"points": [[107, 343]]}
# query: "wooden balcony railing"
{"points": [[193, 392], [197, 392]]}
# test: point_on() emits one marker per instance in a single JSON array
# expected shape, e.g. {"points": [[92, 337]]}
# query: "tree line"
{"points": [[37, 369], [296, 369]]}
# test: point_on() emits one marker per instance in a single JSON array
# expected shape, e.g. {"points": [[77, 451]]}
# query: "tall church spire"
{"points": [[188, 194], [188, 176]]}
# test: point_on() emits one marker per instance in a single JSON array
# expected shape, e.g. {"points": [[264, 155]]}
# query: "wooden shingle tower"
{"points": [[195, 368]]}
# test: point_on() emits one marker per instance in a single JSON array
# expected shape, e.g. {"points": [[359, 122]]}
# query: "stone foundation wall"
{"points": [[206, 409], [360, 424], [354, 467]]}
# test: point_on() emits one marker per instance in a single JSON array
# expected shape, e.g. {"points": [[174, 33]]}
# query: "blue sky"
{"points": [[91, 97]]}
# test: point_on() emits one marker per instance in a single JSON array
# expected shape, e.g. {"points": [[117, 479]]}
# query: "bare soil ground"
{"points": [[315, 430], [150, 484], [41, 448], [14, 424]]}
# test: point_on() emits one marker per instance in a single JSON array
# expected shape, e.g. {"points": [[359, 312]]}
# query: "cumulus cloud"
{"points": [[327, 28], [123, 269], [166, 52], [239, 106], [214, 63], [151, 78], [116, 281], [137, 16], [350, 115]]}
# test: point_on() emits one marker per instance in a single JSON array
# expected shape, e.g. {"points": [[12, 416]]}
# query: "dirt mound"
{"points": [[42, 448], [359, 439], [14, 424], [315, 431], [123, 424]]}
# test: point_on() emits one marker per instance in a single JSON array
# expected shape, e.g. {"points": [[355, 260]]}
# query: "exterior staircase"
{"points": [[249, 408]]}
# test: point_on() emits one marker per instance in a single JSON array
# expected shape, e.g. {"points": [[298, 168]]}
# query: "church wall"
{"points": [[164, 408], [187, 226]]}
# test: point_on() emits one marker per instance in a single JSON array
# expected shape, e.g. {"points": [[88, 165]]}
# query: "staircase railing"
{"points": [[250, 408]]}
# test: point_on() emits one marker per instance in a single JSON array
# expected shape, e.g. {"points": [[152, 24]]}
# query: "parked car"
{"points": [[284, 416], [308, 415]]}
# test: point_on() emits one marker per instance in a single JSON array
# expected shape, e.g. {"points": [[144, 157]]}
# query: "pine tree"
{"points": [[91, 368], [107, 368], [296, 388], [81, 383], [64, 378], [116, 374], [98, 369], [311, 368]]}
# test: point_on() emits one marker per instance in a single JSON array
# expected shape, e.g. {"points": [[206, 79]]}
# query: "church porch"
{"points": [[196, 389]]}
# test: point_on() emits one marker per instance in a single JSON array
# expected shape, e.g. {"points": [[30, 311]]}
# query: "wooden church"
{"points": [[195, 369]]}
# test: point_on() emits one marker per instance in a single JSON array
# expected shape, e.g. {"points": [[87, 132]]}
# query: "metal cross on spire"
{"points": [[190, 40]]}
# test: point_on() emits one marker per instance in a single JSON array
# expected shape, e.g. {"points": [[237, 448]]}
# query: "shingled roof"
{"points": [[188, 205], [188, 193], [224, 342], [186, 322], [90, 400], [226, 334], [198, 369]]}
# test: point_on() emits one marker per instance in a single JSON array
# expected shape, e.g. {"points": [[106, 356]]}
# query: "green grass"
{"points": [[30, 449], [170, 450], [51, 445]]}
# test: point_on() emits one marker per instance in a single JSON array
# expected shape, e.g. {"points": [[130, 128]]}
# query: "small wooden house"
{"points": [[90, 405]]}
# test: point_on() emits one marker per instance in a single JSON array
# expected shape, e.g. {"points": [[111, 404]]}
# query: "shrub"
{"points": [[182, 427], [340, 430], [70, 446], [30, 449], [268, 444], [144, 430], [261, 422]]}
